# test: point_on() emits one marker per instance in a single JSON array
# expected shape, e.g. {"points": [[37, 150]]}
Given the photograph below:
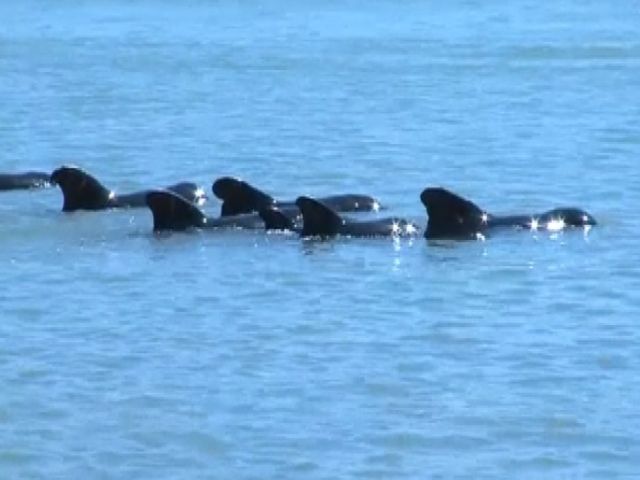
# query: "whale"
{"points": [[24, 180], [239, 196], [452, 217], [320, 220], [82, 191], [173, 212]]}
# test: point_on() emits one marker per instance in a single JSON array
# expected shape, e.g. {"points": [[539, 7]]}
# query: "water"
{"points": [[245, 355]]}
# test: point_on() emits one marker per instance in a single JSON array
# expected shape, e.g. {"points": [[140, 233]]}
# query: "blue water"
{"points": [[251, 356]]}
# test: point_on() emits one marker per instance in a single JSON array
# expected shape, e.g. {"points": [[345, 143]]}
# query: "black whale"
{"points": [[239, 196], [82, 191], [456, 218], [319, 220], [24, 180], [173, 212]]}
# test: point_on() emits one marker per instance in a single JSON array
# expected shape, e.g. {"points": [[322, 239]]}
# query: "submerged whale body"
{"points": [[24, 180], [239, 196], [320, 220], [172, 211], [82, 191], [456, 218]]}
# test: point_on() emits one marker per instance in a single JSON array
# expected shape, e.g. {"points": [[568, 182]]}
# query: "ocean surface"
{"points": [[236, 355]]}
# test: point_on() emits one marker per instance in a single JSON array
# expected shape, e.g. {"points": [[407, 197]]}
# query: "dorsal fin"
{"points": [[317, 218], [239, 196], [190, 191], [173, 212], [275, 219], [81, 191], [451, 216]]}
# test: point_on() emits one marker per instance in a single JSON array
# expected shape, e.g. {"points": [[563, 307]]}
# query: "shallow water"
{"points": [[245, 355]]}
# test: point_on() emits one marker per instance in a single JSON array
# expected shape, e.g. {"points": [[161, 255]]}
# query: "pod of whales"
{"points": [[82, 191], [244, 206], [172, 212], [24, 180], [450, 217]]}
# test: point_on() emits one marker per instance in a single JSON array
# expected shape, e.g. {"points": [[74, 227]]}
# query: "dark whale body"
{"points": [[82, 191], [173, 212], [24, 180], [456, 218], [239, 196], [319, 220]]}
